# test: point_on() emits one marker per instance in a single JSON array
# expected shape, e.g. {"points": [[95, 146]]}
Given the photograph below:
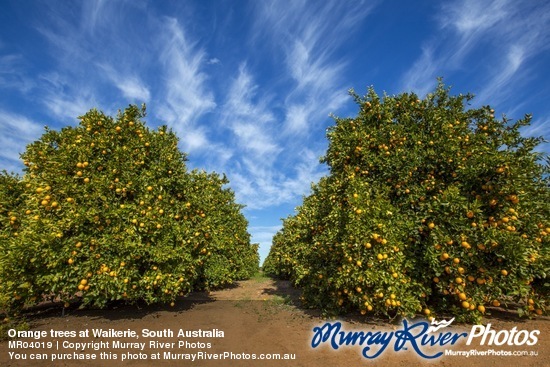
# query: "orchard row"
{"points": [[429, 207], [107, 210]]}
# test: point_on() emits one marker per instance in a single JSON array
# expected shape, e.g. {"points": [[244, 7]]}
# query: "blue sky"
{"points": [[248, 86]]}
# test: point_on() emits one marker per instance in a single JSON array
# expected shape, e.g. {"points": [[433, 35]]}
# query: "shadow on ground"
{"points": [[284, 289], [115, 310], [266, 292]]}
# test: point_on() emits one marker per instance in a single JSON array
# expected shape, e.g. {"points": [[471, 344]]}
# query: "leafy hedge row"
{"points": [[430, 206], [107, 210]]}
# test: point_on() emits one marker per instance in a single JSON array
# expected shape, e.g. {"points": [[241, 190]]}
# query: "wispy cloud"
{"points": [[538, 127], [492, 40], [445, 51], [310, 67], [89, 46], [523, 40], [252, 125], [273, 164], [64, 97], [420, 78], [508, 69], [12, 74], [187, 95], [68, 107], [98, 13], [260, 186], [93, 13], [470, 17], [250, 118], [262, 172], [131, 86], [213, 61], [69, 93], [16, 131], [309, 35]]}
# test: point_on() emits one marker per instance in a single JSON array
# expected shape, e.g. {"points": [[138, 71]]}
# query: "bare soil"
{"points": [[257, 316]]}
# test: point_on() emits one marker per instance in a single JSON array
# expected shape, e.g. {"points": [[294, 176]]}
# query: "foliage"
{"points": [[107, 210], [429, 206]]}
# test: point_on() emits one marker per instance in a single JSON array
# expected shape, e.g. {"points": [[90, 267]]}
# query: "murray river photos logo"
{"points": [[418, 337]]}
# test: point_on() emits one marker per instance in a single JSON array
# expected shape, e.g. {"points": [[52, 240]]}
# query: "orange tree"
{"points": [[10, 198], [223, 246], [429, 207], [107, 211]]}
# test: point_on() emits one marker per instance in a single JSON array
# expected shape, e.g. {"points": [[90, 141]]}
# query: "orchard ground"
{"points": [[263, 315]]}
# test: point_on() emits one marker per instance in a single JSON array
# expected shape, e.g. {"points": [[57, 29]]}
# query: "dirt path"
{"points": [[257, 316]]}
